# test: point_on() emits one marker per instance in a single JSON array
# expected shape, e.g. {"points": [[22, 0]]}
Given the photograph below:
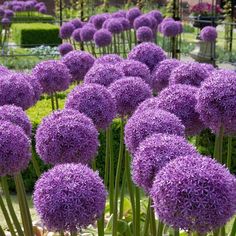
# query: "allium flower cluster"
{"points": [[147, 53], [66, 30], [143, 124], [112, 59], [14, 149], [170, 28], [95, 101], [53, 76], [77, 23], [132, 14], [65, 48], [114, 26], [87, 33], [144, 34], [4, 71], [69, 197], [157, 15], [98, 20], [102, 38], [76, 35], [78, 63], [103, 74], [154, 153], [194, 194], [142, 20], [66, 136], [208, 34]]}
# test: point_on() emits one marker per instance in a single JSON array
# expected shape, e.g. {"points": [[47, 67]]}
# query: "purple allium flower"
{"points": [[114, 26], [208, 34], [77, 23], [69, 197], [14, 149], [112, 59], [98, 21], [142, 20], [95, 101], [103, 74], [65, 48], [143, 124], [128, 93], [2, 12], [66, 30], [216, 101], [15, 90], [132, 14], [180, 99], [17, 8], [4, 70], [39, 5], [8, 14], [163, 22], [170, 28], [43, 10], [209, 67], [76, 35], [87, 33], [147, 53], [190, 73], [194, 194], [161, 73], [66, 136], [119, 14], [53, 76], [153, 22], [102, 38], [150, 103], [17, 116], [180, 26], [78, 63], [136, 69], [158, 16], [144, 34], [6, 22], [154, 153], [125, 23]]}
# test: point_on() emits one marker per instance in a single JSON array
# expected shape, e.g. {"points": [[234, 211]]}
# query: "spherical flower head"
{"points": [[98, 21], [5, 22], [69, 197], [76, 35], [143, 124], [65, 48], [77, 23], [53, 76], [2, 12], [194, 194], [128, 93], [114, 26], [4, 71], [95, 101], [180, 26], [103, 74], [15, 90], [9, 13], [163, 22], [17, 8], [158, 16], [78, 63], [150, 103], [112, 59], [43, 10], [216, 101], [87, 33], [14, 149], [161, 73], [208, 67], [154, 153], [170, 29], [66, 30], [208, 34], [102, 38], [66, 136], [190, 73], [39, 5], [147, 53], [144, 34], [125, 23], [142, 20], [132, 68], [181, 100], [119, 14], [132, 14]]}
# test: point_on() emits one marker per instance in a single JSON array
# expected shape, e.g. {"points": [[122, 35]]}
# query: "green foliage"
{"points": [[24, 17], [35, 34]]}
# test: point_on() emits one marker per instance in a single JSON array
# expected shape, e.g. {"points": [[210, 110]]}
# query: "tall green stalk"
{"points": [[137, 212], [160, 228], [229, 152], [152, 221], [176, 232], [147, 220], [35, 164], [122, 196], [233, 230], [2, 232], [100, 225], [111, 171], [219, 145], [107, 158]]}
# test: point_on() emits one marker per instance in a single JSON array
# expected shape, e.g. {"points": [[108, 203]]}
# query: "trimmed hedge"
{"points": [[35, 34], [32, 18]]}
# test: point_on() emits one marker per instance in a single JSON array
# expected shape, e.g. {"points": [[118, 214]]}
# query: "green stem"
{"points": [[100, 224], [216, 232], [7, 217], [122, 195], [73, 233], [233, 230], [61, 233], [152, 221], [111, 173], [137, 212], [147, 220], [2, 232], [107, 159], [222, 231], [160, 228], [52, 102], [176, 232], [35, 164], [56, 99], [219, 145], [229, 153], [10, 206], [117, 181]]}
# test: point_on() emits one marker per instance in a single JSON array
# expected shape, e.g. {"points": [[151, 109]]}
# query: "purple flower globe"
{"points": [[114, 26], [150, 103], [53, 76], [66, 30], [5, 22], [190, 73], [142, 20], [154, 153], [103, 74], [162, 72], [163, 22], [180, 26], [144, 34], [147, 53], [65, 48], [143, 124], [132, 14], [15, 90], [208, 34], [194, 194], [216, 101], [17, 116], [132, 68], [112, 59], [2, 12], [181, 100], [98, 21], [170, 29], [9, 13], [119, 14], [78, 63], [128, 93], [102, 38], [69, 197], [87, 33], [77, 23], [76, 35], [125, 23], [4, 70], [95, 101], [14, 149], [66, 136], [157, 15]]}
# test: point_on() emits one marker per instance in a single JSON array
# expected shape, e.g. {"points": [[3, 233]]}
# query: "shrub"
{"points": [[24, 18], [35, 34]]}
